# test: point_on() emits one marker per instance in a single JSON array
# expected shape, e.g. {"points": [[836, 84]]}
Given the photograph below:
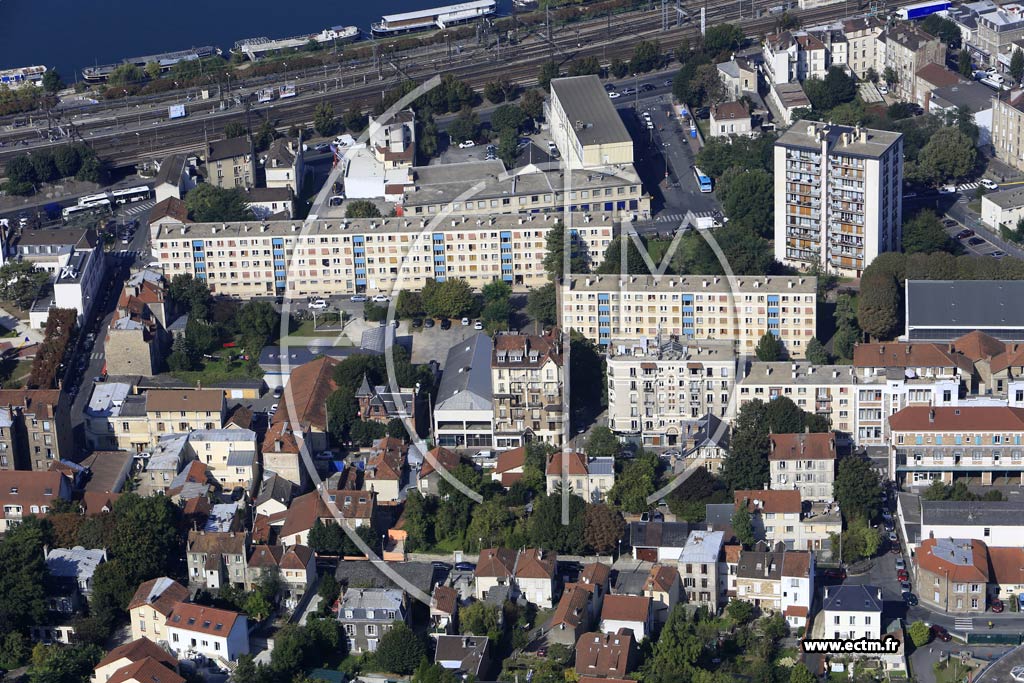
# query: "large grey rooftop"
{"points": [[873, 143], [760, 372], [747, 284], [1007, 198], [852, 598], [973, 95], [972, 513], [588, 108], [702, 547], [107, 398], [78, 562], [977, 304], [466, 381]]}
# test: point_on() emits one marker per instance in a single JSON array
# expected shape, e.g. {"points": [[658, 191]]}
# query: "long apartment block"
{"points": [[838, 196], [376, 255], [638, 307]]}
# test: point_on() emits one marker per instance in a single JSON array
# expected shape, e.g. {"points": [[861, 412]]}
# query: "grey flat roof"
{"points": [[974, 95], [972, 512], [852, 598], [658, 534], [877, 143], [587, 106], [965, 303], [466, 381], [1007, 199]]}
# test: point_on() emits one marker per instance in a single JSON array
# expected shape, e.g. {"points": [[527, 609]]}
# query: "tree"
{"points": [[742, 192], [208, 203], [635, 483], [723, 38], [508, 117], [235, 130], [191, 294], [603, 528], [1017, 66], [52, 81], [532, 103], [480, 619], [878, 311], [816, 352], [63, 663], [493, 92], [839, 86], [452, 298], [612, 263], [747, 464], [918, 631], [743, 526], [466, 126], [554, 253], [585, 66], [324, 121], [545, 528], [489, 524], [20, 282], [924, 233], [769, 348], [399, 650], [22, 570], [548, 71], [361, 208], [67, 159], [857, 488], [603, 443], [871, 75], [948, 156], [964, 65], [706, 86], [618, 68], [542, 304], [508, 147], [145, 537], [890, 76], [258, 323], [646, 56], [740, 611]]}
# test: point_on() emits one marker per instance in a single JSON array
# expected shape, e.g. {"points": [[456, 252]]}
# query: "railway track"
{"points": [[127, 146]]}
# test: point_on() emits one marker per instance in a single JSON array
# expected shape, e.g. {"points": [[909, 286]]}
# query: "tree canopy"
{"points": [[208, 203]]}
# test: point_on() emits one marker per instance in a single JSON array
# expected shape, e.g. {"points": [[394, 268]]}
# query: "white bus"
{"points": [[70, 212], [90, 199], [130, 194]]}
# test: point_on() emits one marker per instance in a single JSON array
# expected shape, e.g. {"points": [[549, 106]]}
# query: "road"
{"points": [[955, 206]]}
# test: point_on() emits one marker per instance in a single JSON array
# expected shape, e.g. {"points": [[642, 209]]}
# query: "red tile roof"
{"points": [[732, 553], [796, 611], [95, 502], [30, 488], [445, 599], [172, 207], [769, 501], [307, 508], [445, 459], [511, 460], [803, 446], [626, 608], [938, 75], [571, 610], [953, 571], [533, 563], [297, 557], [200, 619], [162, 594], [596, 573], [661, 578], [977, 345], [577, 464], [908, 355], [965, 419], [796, 563], [147, 670], [603, 654], [305, 396], [387, 460], [1007, 565], [138, 650], [495, 563]]}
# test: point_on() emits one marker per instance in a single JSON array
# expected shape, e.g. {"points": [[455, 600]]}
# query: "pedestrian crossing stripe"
{"points": [[665, 218], [963, 624]]}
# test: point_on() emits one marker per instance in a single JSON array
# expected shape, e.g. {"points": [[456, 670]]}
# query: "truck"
{"points": [[176, 111], [920, 10], [286, 91]]}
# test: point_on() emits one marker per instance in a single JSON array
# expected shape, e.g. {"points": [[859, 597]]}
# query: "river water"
{"points": [[71, 34]]}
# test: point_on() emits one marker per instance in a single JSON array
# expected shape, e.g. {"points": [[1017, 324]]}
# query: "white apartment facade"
{"points": [[659, 392], [366, 256], [692, 307], [838, 196]]}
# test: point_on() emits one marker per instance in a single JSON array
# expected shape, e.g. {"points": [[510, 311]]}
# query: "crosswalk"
{"points": [[96, 355], [669, 217], [963, 624], [967, 187], [138, 207]]}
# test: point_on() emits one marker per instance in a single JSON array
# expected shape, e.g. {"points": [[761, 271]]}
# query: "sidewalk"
{"points": [[13, 322]]}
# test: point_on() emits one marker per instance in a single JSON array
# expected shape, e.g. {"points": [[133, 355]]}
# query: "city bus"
{"points": [[91, 199], [130, 194], [702, 180], [70, 212]]}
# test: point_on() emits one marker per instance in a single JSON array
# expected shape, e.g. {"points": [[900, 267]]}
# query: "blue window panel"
{"points": [[507, 278], [277, 241], [938, 439], [201, 275], [959, 439], [361, 281], [604, 319], [505, 234], [358, 239], [197, 243], [604, 308], [919, 440], [608, 206]]}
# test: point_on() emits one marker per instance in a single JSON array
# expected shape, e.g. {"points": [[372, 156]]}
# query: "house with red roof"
{"points": [[429, 479], [605, 655], [535, 576], [140, 661], [149, 607], [218, 634], [804, 462], [631, 612], [509, 467], [953, 574]]}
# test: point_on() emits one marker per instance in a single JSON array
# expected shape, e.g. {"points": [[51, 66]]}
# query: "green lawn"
{"points": [[657, 249], [305, 328], [214, 371], [14, 373]]}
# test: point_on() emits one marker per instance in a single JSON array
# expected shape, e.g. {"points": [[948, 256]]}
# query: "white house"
{"points": [[535, 576], [494, 569], [797, 587], [589, 478], [997, 523], [217, 634], [631, 612], [852, 612]]}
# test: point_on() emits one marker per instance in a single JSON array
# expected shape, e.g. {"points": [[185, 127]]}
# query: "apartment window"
{"points": [[371, 629]]}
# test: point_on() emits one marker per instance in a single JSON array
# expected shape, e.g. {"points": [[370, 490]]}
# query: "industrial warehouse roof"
{"points": [[974, 304], [589, 110]]}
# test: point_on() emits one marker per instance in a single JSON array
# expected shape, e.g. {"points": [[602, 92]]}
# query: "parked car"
{"points": [[278, 391], [273, 409], [317, 305], [905, 586], [446, 324], [998, 254], [609, 87], [975, 241], [883, 89], [614, 95], [964, 234], [947, 189], [417, 322], [989, 184], [893, 538], [381, 299], [428, 323], [465, 566], [466, 322], [900, 563], [441, 565], [478, 325], [910, 599], [358, 298], [902, 575], [940, 633], [835, 574], [996, 606], [466, 144]]}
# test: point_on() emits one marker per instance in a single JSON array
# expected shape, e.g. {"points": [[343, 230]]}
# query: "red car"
{"points": [[941, 633], [835, 574], [997, 606], [902, 575]]}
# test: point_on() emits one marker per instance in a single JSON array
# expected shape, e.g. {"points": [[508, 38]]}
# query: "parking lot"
{"points": [[971, 242]]}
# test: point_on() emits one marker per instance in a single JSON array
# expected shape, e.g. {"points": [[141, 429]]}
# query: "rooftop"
{"points": [[967, 419], [1008, 198], [76, 563], [695, 283], [200, 619], [972, 304], [229, 148], [702, 547], [852, 598], [973, 95], [851, 141], [466, 381], [959, 559], [589, 110], [820, 446]]}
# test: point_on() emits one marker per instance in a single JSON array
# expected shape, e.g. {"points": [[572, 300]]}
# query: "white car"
{"points": [[989, 184], [947, 189], [478, 325], [381, 299], [465, 321], [467, 144], [358, 298], [614, 95], [273, 409], [883, 89], [318, 305]]}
